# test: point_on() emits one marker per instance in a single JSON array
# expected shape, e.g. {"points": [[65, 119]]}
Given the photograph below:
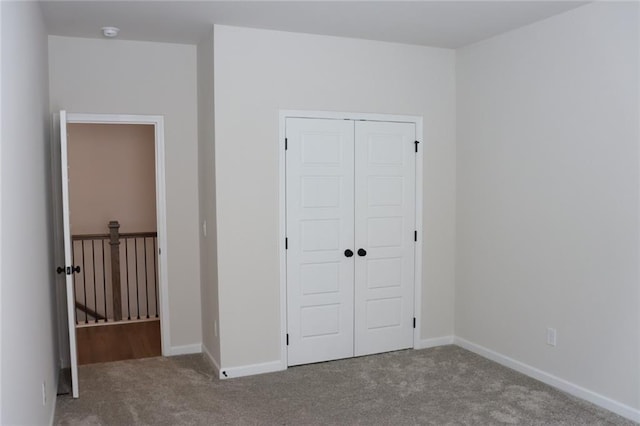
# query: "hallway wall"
{"points": [[112, 176]]}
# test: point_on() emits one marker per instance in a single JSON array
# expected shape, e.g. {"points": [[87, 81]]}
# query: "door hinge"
{"points": [[416, 142], [415, 235], [286, 243], [287, 339], [159, 251], [414, 322], [286, 144]]}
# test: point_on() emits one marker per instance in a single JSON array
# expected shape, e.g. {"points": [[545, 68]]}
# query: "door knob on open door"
{"points": [[69, 270], [362, 252], [348, 253]]}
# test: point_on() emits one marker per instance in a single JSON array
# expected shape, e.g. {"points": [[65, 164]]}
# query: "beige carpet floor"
{"points": [[440, 386]]}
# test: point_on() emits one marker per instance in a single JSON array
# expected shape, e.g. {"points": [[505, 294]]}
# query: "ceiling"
{"points": [[448, 24]]}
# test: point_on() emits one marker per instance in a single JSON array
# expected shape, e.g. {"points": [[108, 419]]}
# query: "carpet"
{"points": [[446, 385]]}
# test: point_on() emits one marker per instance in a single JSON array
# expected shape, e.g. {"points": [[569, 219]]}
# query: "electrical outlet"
{"points": [[551, 336], [44, 394], [215, 328]]}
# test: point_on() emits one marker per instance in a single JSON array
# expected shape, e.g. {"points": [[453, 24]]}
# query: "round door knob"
{"points": [[362, 252], [348, 253]]}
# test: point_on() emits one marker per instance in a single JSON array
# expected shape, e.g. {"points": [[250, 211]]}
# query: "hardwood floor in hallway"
{"points": [[118, 341]]}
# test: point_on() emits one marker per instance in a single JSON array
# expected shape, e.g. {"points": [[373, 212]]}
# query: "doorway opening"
{"points": [[110, 206], [114, 240]]}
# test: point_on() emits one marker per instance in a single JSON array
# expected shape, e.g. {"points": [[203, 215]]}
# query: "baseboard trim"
{"points": [[564, 385], [212, 360], [433, 342], [196, 348], [250, 370]]}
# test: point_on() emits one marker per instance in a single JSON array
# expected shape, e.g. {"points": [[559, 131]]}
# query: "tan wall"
{"points": [[111, 177]]}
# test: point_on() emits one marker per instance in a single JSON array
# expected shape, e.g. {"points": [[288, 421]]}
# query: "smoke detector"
{"points": [[110, 32]]}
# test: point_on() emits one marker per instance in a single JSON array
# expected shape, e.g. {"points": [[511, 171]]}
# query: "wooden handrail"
{"points": [[89, 311], [138, 234], [90, 237], [80, 237]]}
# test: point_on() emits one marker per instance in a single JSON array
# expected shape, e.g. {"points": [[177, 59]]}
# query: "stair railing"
{"points": [[122, 276]]}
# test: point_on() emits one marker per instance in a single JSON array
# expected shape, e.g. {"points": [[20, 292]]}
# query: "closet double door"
{"points": [[350, 200]]}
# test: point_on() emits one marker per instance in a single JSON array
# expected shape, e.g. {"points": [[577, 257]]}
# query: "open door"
{"points": [[69, 268]]}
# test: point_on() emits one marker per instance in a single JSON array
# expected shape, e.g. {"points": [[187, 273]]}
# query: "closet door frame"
{"points": [[282, 207]]}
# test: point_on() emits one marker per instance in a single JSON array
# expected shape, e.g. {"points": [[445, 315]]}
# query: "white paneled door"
{"points": [[319, 180], [350, 213], [69, 268], [384, 236]]}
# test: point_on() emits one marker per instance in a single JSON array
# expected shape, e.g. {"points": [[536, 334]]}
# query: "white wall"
{"points": [[547, 197], [28, 346], [259, 72], [207, 196], [113, 76]]}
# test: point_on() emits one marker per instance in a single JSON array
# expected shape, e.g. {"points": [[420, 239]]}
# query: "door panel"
{"points": [[319, 200], [68, 257], [384, 228]]}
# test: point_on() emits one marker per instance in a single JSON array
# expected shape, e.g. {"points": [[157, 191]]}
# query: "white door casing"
{"points": [[384, 229], [319, 230], [353, 184]]}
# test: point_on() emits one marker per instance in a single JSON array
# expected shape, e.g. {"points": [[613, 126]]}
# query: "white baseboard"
{"points": [[196, 348], [249, 370], [564, 385], [212, 360], [270, 367], [433, 342]]}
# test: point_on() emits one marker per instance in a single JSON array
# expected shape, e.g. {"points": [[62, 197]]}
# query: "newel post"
{"points": [[114, 234]]}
